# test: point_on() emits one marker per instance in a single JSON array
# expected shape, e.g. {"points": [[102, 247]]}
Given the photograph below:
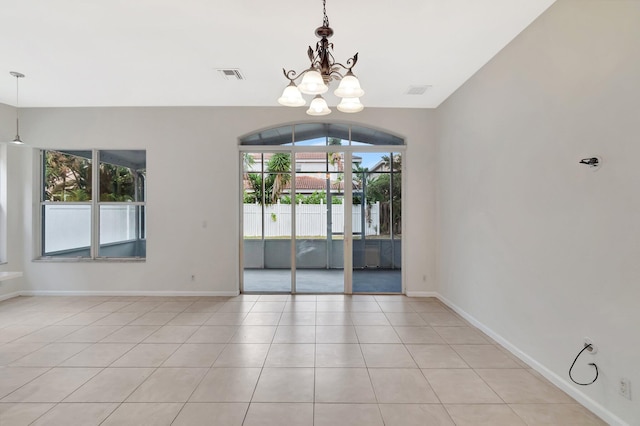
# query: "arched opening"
{"points": [[321, 210]]}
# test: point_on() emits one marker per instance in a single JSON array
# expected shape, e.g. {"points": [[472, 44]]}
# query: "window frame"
{"points": [[95, 203]]}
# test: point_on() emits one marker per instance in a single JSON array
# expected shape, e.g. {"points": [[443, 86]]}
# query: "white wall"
{"points": [[541, 250], [12, 158], [193, 169]]}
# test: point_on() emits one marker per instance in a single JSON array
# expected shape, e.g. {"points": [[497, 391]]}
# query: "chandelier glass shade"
{"points": [[312, 83], [318, 106], [349, 87], [350, 105], [291, 96], [322, 70]]}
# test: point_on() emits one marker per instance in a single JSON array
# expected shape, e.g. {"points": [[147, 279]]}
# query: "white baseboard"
{"points": [[9, 295], [421, 294], [128, 293], [560, 382]]}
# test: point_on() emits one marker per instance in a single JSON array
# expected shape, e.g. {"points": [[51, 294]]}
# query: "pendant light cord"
{"points": [[17, 106], [18, 76], [17, 92]]}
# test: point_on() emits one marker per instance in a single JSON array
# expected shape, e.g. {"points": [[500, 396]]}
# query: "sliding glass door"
{"points": [[266, 222], [319, 222], [377, 222], [318, 203]]}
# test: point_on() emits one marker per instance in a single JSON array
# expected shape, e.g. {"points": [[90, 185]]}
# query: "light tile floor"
{"points": [[262, 360]]}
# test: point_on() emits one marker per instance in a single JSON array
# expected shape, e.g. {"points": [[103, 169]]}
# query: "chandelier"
{"points": [[321, 72]]}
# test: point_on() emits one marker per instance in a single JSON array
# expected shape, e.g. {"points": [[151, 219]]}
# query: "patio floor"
{"points": [[322, 280]]}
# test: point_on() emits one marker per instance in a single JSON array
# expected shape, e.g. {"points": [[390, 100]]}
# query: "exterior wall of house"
{"points": [[302, 164], [539, 249], [307, 169]]}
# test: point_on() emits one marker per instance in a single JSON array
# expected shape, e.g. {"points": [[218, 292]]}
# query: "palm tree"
{"points": [[389, 193], [358, 173], [255, 182], [117, 183], [361, 178], [67, 177], [247, 161], [335, 158], [396, 164], [279, 168]]}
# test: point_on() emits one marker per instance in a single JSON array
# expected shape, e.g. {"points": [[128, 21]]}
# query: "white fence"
{"points": [[68, 227], [311, 220]]}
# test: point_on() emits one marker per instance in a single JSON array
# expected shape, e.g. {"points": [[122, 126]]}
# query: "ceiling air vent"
{"points": [[231, 74], [417, 90]]}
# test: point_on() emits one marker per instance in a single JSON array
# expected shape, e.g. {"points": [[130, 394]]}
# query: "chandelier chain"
{"points": [[325, 21]]}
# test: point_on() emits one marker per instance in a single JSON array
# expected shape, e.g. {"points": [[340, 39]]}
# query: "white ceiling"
{"points": [[166, 52]]}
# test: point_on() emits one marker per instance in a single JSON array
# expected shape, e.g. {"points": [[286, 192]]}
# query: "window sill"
{"points": [[87, 260]]}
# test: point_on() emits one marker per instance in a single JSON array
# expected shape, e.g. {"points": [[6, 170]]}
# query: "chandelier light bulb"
{"points": [[312, 83], [350, 105], [349, 87], [318, 107], [291, 96]]}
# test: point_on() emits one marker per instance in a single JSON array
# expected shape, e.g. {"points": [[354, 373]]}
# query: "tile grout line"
{"points": [[261, 368], [375, 394], [205, 374], [315, 357], [143, 381], [346, 310]]}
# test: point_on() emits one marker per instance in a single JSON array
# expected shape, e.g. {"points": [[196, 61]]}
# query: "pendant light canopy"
{"points": [[17, 139], [322, 70]]}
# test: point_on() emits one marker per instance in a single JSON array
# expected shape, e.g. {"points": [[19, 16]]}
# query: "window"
{"points": [[314, 134], [92, 215]]}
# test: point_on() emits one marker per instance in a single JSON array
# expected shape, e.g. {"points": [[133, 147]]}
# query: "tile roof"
{"points": [[308, 183]]}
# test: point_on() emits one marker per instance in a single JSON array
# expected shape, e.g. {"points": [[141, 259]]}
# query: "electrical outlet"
{"points": [[593, 349], [193, 277], [625, 388]]}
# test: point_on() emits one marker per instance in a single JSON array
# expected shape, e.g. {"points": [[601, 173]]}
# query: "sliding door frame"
{"points": [[348, 151]]}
